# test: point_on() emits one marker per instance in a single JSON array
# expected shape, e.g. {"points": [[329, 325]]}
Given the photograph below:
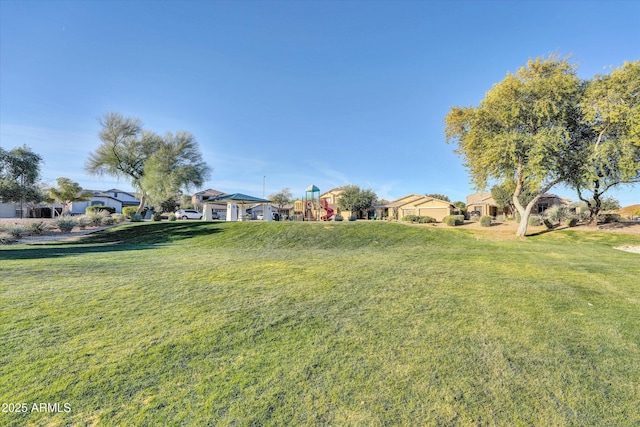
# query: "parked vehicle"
{"points": [[188, 214], [274, 216]]}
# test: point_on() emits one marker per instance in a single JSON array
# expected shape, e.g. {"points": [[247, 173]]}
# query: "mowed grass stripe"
{"points": [[321, 324]]}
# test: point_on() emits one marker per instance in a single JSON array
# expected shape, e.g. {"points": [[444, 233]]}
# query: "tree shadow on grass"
{"points": [[128, 237]]}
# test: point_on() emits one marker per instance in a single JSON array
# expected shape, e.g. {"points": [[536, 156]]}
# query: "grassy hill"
{"points": [[368, 323], [629, 211]]}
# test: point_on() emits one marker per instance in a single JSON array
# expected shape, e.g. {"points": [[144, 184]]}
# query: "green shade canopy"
{"points": [[237, 198], [312, 188]]}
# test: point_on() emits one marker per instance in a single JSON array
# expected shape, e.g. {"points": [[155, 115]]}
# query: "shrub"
{"points": [[535, 220], [571, 222], [130, 210], [608, 218], [17, 231], [453, 220], [409, 218], [37, 228], [96, 209], [6, 239], [584, 215], [95, 219], [136, 217], [426, 220], [418, 219], [557, 213], [156, 216], [84, 221], [548, 224], [65, 224], [485, 221], [474, 218], [173, 217], [118, 218], [501, 218], [108, 220]]}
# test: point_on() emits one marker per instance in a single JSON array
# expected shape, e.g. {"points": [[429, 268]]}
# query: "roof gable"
{"points": [[403, 201], [432, 201]]}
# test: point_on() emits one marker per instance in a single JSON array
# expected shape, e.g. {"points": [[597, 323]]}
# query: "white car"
{"points": [[274, 216], [188, 214]]}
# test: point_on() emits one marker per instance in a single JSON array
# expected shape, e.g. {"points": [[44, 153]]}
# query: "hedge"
{"points": [[130, 210], [571, 222], [98, 208], [418, 219], [453, 220], [485, 221]]}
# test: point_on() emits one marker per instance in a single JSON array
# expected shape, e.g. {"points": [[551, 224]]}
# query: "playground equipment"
{"points": [[313, 207], [328, 210], [311, 202]]}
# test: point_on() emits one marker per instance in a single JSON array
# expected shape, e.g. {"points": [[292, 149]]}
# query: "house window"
{"points": [[542, 207], [96, 203]]}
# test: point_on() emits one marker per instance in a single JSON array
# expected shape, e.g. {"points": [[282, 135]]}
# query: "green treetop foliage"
{"points": [[503, 195], [19, 173], [611, 135], [355, 199], [461, 206], [176, 165], [523, 131], [281, 198], [158, 167], [68, 191], [439, 197]]}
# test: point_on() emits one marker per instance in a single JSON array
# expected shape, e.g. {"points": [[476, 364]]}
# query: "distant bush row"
{"points": [[12, 232], [418, 219]]}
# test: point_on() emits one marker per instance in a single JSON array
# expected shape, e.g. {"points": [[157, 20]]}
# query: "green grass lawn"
{"points": [[341, 324]]}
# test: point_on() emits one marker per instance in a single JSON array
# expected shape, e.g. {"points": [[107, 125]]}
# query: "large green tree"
{"points": [[67, 192], [156, 167], [282, 197], [503, 196], [611, 133], [355, 199], [19, 174], [523, 131], [176, 166]]}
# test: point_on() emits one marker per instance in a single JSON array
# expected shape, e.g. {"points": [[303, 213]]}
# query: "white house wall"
{"points": [[122, 196], [7, 210], [79, 208]]}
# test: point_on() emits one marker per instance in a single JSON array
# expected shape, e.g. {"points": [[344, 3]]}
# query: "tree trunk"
{"points": [[142, 202], [594, 209], [525, 212], [524, 217], [593, 216]]}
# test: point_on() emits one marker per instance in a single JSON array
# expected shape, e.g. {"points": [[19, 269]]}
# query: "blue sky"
{"points": [[300, 92]]}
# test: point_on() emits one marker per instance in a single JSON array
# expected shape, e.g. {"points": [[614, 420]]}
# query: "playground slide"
{"points": [[326, 207]]}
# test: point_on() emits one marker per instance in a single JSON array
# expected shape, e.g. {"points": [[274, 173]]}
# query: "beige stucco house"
{"points": [[483, 204], [486, 205], [416, 204]]}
